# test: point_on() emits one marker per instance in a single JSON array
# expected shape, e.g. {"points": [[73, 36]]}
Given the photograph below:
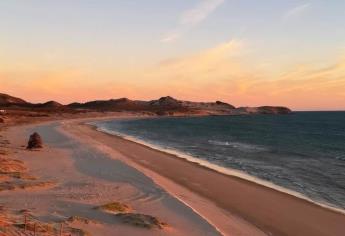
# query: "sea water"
{"points": [[303, 151]]}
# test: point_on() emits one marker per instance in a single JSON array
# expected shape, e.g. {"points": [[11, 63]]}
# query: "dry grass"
{"points": [[83, 220], [14, 185], [8, 166], [4, 142], [22, 175], [11, 226], [40, 227], [141, 220], [13, 176], [115, 207], [4, 221], [3, 152], [123, 212], [79, 232], [3, 177]]}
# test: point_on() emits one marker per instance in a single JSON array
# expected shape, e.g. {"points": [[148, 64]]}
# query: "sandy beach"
{"points": [[86, 177], [90, 168], [272, 211], [172, 118]]}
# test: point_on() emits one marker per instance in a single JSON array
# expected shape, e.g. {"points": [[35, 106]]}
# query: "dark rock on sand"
{"points": [[35, 141]]}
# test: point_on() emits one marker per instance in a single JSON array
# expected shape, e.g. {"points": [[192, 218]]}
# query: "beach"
{"points": [[90, 168], [172, 118], [272, 211], [85, 177]]}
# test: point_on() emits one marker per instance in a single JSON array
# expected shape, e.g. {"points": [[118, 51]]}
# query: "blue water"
{"points": [[303, 151]]}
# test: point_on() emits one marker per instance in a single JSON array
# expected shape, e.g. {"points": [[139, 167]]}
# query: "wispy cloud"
{"points": [[191, 18], [296, 11]]}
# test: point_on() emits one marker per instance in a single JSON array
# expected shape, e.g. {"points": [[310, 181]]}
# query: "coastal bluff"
{"points": [[162, 106]]}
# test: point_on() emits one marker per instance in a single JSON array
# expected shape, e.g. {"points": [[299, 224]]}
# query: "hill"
{"points": [[49, 105], [162, 106], [7, 100]]}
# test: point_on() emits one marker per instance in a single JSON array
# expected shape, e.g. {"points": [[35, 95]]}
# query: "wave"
{"points": [[215, 167], [240, 146]]}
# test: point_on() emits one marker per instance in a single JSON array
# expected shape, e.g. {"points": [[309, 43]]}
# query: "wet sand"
{"points": [[273, 211]]}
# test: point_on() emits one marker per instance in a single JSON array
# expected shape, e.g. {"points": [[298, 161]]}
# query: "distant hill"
{"points": [[110, 105], [162, 106], [49, 105], [7, 100], [10, 102]]}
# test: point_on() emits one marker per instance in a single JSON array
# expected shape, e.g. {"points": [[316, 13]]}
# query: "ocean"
{"points": [[303, 151]]}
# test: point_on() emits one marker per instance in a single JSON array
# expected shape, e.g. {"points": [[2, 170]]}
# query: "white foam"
{"points": [[240, 146], [220, 169]]}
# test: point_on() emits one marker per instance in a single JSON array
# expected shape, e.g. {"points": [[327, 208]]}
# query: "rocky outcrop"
{"points": [[35, 141], [263, 110], [273, 110], [209, 106]]}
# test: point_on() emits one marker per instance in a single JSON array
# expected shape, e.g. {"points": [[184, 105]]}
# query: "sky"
{"points": [[244, 52]]}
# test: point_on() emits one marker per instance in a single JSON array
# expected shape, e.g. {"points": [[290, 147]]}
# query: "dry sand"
{"points": [[87, 177]]}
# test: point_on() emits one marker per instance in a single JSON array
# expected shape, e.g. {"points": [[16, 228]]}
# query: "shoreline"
{"points": [[281, 227], [219, 169], [226, 223], [233, 206]]}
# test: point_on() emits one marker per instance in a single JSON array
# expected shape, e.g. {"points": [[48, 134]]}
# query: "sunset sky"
{"points": [[245, 52]]}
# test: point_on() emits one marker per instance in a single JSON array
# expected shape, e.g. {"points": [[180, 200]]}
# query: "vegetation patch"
{"points": [[3, 152], [14, 185], [3, 177], [142, 220], [79, 219], [21, 175], [79, 232], [115, 207], [8, 166], [39, 227]]}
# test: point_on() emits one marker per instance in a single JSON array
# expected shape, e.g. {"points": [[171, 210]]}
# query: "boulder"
{"points": [[35, 141]]}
